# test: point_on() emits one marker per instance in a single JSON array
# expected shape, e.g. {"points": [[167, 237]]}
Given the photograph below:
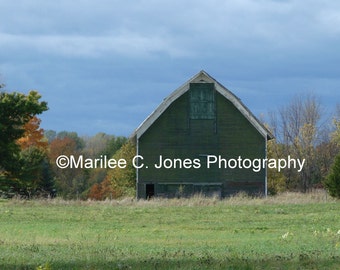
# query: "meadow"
{"points": [[289, 231]]}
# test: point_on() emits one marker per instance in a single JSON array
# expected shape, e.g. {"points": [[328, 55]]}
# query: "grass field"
{"points": [[292, 231]]}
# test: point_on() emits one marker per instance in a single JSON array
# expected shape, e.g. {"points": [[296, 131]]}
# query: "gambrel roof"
{"points": [[202, 77]]}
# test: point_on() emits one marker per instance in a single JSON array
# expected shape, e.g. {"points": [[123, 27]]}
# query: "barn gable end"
{"points": [[198, 119]]}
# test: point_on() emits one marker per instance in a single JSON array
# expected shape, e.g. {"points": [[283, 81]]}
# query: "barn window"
{"points": [[202, 101]]}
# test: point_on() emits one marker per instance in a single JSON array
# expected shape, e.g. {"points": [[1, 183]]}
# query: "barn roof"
{"points": [[202, 77]]}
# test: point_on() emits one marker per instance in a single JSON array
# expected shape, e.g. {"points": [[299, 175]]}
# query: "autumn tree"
{"points": [[275, 180], [79, 182], [35, 172], [80, 144], [16, 111], [123, 180], [70, 182], [335, 136], [119, 182], [102, 191], [297, 129], [97, 146], [33, 135]]}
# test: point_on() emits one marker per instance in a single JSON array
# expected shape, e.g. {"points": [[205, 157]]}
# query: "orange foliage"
{"points": [[33, 136], [102, 191], [95, 192], [65, 146], [67, 180]]}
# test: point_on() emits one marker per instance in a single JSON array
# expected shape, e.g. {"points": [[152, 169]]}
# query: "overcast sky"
{"points": [[104, 66]]}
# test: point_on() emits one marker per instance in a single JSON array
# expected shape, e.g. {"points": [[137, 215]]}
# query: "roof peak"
{"points": [[202, 77]]}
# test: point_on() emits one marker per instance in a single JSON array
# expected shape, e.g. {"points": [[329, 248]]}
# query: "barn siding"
{"points": [[175, 135]]}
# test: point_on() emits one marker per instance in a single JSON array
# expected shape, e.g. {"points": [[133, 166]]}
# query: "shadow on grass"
{"points": [[200, 263]]}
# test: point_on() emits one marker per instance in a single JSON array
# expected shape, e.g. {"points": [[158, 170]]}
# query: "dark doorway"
{"points": [[149, 190]]}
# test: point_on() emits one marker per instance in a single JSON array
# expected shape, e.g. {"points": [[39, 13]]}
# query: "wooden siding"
{"points": [[175, 135]]}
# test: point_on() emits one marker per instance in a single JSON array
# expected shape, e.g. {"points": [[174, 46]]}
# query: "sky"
{"points": [[105, 65]]}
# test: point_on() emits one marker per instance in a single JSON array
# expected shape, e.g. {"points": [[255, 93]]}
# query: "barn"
{"points": [[194, 141]]}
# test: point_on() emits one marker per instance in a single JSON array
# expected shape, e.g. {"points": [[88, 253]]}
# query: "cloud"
{"points": [[125, 44], [174, 28], [93, 58]]}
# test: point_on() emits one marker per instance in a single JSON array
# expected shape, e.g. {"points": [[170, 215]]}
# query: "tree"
{"points": [[33, 135], [123, 180], [31, 175], [275, 180], [50, 135], [335, 136], [35, 173], [114, 144], [102, 191], [332, 182], [119, 182], [70, 182], [16, 110], [74, 136], [96, 192], [297, 128], [96, 146]]}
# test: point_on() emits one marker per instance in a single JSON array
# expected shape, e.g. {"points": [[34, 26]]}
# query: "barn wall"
{"points": [[176, 135]]}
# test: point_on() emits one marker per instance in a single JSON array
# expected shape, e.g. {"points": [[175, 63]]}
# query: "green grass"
{"points": [[288, 232]]}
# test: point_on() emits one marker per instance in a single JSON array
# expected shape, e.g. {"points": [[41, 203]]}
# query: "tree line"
{"points": [[28, 153], [302, 130]]}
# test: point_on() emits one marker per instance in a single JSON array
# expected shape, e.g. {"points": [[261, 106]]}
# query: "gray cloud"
{"points": [[128, 55]]}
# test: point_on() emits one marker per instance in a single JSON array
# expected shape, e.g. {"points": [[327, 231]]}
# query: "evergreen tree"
{"points": [[332, 182]]}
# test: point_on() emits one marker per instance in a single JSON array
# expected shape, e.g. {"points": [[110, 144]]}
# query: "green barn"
{"points": [[195, 142]]}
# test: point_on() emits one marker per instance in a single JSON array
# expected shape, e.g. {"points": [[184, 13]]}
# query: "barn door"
{"points": [[149, 191]]}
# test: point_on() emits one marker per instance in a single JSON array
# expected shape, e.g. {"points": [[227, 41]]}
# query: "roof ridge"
{"points": [[218, 87]]}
